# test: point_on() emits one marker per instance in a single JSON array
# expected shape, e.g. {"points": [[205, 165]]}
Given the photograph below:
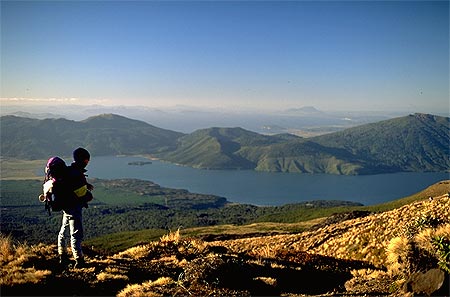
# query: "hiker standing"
{"points": [[72, 214]]}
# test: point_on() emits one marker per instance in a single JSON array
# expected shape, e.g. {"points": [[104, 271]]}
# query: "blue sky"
{"points": [[334, 55]]}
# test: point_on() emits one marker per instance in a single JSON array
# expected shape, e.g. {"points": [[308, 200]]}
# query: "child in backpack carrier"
{"points": [[55, 184]]}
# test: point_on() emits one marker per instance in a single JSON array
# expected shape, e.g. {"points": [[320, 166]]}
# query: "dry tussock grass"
{"points": [[426, 239], [378, 239], [14, 258], [423, 246], [14, 275], [171, 237], [399, 252], [137, 252], [358, 239], [267, 280], [427, 249], [266, 251], [371, 273], [171, 244], [6, 249], [146, 288], [112, 273]]}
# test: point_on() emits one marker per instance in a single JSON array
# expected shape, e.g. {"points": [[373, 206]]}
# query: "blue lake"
{"points": [[267, 188]]}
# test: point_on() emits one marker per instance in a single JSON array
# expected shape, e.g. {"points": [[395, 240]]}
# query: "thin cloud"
{"points": [[37, 100], [21, 100]]}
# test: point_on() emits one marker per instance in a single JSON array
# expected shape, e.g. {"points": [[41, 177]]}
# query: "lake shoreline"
{"points": [[266, 188], [245, 186]]}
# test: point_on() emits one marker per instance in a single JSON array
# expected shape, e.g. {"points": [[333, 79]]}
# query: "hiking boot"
{"points": [[63, 260], [80, 263]]}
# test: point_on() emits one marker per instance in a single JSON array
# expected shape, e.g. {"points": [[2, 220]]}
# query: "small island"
{"points": [[139, 163]]}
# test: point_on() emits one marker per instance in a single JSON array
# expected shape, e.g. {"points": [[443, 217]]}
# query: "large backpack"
{"points": [[56, 187]]}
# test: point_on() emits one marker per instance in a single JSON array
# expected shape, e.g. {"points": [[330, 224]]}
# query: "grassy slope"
{"points": [[357, 239], [304, 218], [15, 169], [438, 189]]}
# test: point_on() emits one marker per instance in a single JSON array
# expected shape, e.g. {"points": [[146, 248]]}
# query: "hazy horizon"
{"points": [[303, 121], [237, 56]]}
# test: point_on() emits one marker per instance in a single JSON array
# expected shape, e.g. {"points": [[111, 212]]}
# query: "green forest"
{"points": [[131, 205]]}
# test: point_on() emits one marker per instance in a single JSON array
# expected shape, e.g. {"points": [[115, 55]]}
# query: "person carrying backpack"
{"points": [[80, 195]]}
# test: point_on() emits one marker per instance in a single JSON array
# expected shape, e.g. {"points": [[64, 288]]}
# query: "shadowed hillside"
{"points": [[400, 252]]}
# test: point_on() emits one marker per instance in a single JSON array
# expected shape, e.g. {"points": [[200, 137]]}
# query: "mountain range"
{"points": [[306, 120], [418, 142]]}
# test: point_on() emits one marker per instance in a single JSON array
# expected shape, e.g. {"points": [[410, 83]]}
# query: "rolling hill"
{"points": [[221, 148], [418, 143], [413, 143], [106, 134]]}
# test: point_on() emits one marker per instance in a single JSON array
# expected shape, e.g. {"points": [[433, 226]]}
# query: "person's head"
{"points": [[81, 156]]}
